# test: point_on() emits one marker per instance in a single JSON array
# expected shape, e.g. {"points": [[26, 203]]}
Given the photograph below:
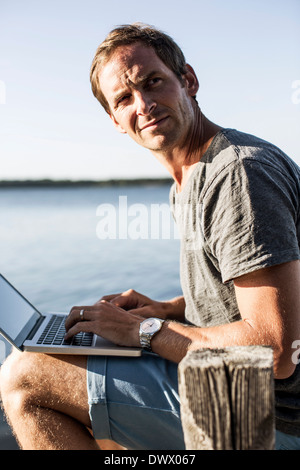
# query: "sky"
{"points": [[246, 54]]}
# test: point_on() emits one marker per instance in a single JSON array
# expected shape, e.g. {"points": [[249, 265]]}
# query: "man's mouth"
{"points": [[155, 123]]}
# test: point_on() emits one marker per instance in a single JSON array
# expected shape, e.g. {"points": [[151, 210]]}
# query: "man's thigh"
{"points": [[135, 401], [57, 382]]}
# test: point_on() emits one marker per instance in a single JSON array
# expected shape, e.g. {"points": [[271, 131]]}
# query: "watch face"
{"points": [[151, 325]]}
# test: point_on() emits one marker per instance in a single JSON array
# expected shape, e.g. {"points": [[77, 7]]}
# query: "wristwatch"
{"points": [[148, 328]]}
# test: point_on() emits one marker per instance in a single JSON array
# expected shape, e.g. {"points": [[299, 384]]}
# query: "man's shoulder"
{"points": [[233, 146], [238, 137], [230, 151], [243, 143]]}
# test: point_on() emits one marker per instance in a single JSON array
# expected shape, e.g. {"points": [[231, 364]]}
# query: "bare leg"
{"points": [[106, 444], [45, 400]]}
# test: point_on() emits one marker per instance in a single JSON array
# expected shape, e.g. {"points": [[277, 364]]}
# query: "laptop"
{"points": [[29, 330]]}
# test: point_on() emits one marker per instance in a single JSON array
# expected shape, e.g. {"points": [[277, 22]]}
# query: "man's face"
{"points": [[146, 99]]}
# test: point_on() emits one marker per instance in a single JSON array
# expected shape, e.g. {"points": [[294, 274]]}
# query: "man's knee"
{"points": [[18, 377], [57, 382]]}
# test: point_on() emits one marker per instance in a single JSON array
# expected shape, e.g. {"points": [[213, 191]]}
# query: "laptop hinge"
{"points": [[35, 328]]}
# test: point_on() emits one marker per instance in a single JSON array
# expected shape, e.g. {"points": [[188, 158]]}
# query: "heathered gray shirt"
{"points": [[238, 212]]}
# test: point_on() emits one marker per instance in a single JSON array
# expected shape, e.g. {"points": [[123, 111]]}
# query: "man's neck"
{"points": [[180, 162]]}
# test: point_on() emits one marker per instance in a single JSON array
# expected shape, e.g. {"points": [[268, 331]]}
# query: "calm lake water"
{"points": [[69, 246]]}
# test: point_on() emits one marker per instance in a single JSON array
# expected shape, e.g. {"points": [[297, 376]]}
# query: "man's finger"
{"points": [[85, 327], [108, 298], [77, 314]]}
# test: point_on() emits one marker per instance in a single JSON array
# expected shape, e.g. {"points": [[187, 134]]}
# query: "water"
{"points": [[53, 247]]}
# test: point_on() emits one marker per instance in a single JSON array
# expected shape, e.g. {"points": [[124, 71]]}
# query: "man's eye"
{"points": [[154, 81], [123, 99]]}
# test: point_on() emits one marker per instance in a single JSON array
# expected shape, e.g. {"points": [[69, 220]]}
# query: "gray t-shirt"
{"points": [[238, 212]]}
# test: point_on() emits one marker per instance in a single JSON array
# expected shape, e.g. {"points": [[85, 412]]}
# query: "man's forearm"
{"points": [[175, 340]]}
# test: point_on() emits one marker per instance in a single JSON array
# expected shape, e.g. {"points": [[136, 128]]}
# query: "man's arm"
{"points": [[269, 303]]}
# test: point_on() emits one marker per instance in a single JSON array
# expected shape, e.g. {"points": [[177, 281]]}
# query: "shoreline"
{"points": [[50, 183]]}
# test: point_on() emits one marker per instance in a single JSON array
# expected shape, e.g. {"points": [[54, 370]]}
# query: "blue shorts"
{"points": [[286, 441], [134, 401]]}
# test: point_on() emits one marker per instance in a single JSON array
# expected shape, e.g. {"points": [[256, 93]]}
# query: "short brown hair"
{"points": [[165, 47]]}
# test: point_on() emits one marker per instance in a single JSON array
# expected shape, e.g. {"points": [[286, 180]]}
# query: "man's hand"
{"points": [[107, 320], [145, 307], [117, 317]]}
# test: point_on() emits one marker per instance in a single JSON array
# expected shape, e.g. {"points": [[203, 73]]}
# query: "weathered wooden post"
{"points": [[227, 398]]}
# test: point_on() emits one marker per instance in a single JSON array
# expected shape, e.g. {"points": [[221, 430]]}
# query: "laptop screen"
{"points": [[17, 315]]}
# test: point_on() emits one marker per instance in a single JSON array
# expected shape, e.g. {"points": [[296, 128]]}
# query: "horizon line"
{"points": [[83, 182]]}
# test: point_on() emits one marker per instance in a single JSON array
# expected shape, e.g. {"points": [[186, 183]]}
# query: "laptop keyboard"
{"points": [[55, 331]]}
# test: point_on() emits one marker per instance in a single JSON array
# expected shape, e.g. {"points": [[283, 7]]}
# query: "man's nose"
{"points": [[144, 104]]}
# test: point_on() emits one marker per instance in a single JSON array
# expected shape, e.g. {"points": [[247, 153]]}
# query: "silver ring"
{"points": [[81, 315]]}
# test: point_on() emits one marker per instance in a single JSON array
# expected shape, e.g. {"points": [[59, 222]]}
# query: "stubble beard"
{"points": [[166, 140]]}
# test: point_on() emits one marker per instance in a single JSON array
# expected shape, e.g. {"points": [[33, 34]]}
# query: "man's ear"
{"points": [[116, 124], [191, 80]]}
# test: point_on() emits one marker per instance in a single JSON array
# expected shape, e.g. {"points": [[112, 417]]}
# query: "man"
{"points": [[236, 201]]}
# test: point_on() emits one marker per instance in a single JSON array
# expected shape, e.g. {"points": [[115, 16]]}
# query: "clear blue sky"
{"points": [[246, 54]]}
